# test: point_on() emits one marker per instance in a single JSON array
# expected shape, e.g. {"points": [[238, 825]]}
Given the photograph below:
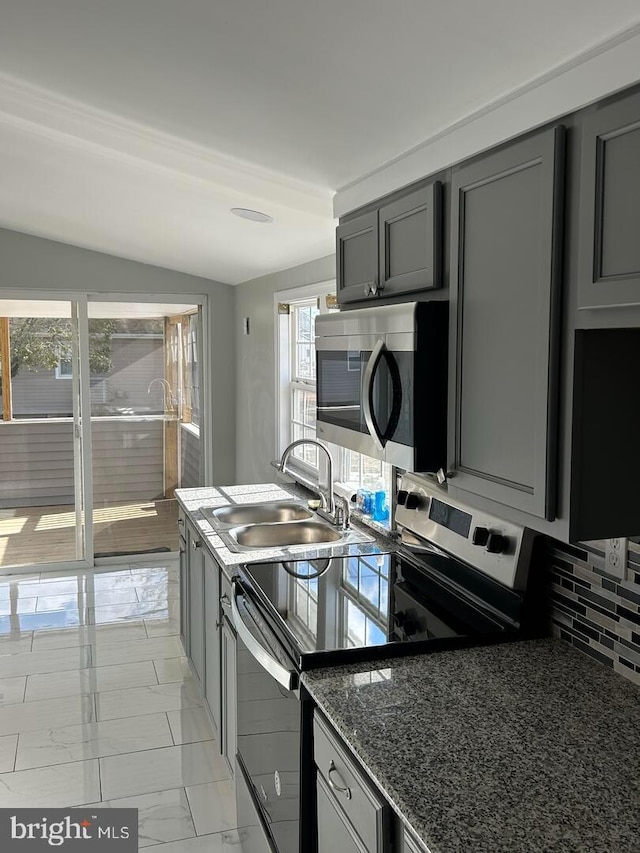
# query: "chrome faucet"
{"points": [[328, 507]]}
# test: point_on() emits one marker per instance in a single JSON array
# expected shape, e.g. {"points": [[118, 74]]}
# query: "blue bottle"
{"points": [[380, 503]]}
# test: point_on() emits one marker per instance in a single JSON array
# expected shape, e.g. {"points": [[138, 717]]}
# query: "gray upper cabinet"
{"points": [[393, 250], [357, 258], [505, 267], [410, 241], [609, 268]]}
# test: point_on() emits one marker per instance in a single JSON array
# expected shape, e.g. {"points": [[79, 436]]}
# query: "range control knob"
{"points": [[496, 543], [402, 497], [413, 501], [480, 536]]}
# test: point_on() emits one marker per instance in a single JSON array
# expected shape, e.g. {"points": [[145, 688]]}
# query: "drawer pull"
{"points": [[341, 789]]}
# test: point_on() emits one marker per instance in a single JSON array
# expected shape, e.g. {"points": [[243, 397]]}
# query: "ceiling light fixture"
{"points": [[253, 215]]}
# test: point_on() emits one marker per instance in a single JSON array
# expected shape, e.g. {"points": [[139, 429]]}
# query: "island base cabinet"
{"points": [[351, 815], [334, 833]]}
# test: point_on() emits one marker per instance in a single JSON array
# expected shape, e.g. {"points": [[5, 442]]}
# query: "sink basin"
{"points": [[261, 513], [287, 533]]}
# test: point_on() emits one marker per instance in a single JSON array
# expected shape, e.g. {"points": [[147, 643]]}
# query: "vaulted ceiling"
{"points": [[133, 126]]}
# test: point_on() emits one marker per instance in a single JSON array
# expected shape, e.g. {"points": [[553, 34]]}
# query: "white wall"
{"points": [[33, 263], [255, 363]]}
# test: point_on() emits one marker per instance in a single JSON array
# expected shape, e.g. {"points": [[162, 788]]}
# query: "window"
{"points": [[364, 591], [192, 367], [296, 416], [303, 601], [302, 383], [64, 370]]}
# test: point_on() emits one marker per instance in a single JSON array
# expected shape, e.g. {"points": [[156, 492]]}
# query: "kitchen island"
{"points": [[516, 748]]}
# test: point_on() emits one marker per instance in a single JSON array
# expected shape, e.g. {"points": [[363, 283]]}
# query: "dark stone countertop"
{"points": [[526, 747]]}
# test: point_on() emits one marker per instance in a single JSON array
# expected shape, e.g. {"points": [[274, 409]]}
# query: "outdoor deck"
{"points": [[33, 535]]}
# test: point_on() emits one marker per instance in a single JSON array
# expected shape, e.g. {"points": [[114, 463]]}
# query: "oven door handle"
{"points": [[286, 678], [367, 393]]}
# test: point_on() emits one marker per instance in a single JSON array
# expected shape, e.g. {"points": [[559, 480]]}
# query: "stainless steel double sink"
{"points": [[275, 524]]}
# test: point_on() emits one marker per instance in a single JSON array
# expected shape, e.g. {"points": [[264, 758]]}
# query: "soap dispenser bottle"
{"points": [[380, 502]]}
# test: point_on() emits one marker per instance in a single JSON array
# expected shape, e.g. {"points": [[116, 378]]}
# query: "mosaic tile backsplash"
{"points": [[593, 610]]}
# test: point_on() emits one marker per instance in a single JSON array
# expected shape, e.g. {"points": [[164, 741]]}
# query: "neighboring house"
{"points": [[137, 359]]}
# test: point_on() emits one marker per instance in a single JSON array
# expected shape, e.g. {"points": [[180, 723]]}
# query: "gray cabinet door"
{"points": [[184, 592], [334, 832], [410, 241], [506, 255], [212, 661], [229, 695], [196, 601], [609, 270], [357, 258]]}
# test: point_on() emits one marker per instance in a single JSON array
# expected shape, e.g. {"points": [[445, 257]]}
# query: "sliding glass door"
{"points": [[142, 433], [42, 482], [101, 420]]}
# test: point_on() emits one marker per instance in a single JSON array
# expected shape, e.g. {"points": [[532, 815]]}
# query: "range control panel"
{"points": [[496, 547]]}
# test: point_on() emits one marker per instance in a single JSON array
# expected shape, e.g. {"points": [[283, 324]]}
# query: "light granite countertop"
{"points": [[526, 747], [193, 500]]}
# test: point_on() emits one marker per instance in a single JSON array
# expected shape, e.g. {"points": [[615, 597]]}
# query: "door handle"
{"points": [[367, 393], [341, 789], [285, 677]]}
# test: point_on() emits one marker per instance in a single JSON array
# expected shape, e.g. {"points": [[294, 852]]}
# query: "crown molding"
{"points": [[606, 68], [65, 121]]}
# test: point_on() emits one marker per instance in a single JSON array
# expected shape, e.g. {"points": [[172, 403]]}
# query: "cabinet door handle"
{"points": [[225, 601], [371, 288], [197, 543], [341, 789]]}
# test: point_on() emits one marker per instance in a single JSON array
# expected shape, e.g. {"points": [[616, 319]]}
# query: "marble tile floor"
{"points": [[98, 707]]}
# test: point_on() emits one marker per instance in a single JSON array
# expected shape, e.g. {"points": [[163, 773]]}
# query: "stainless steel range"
{"points": [[458, 577]]}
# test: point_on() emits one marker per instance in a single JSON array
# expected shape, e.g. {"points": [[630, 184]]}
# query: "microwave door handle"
{"points": [[285, 677], [367, 395]]}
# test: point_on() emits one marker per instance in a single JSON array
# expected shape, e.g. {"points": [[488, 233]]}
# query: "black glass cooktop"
{"points": [[379, 603]]}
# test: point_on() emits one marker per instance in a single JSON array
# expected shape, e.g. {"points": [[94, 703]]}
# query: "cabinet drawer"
{"points": [[363, 807]]}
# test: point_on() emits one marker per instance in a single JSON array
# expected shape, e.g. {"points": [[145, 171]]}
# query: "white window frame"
{"points": [[283, 356], [283, 360]]}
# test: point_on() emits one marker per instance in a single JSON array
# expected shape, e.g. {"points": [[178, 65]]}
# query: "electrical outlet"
{"points": [[615, 557]]}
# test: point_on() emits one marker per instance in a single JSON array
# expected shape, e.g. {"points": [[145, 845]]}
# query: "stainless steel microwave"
{"points": [[382, 382]]}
